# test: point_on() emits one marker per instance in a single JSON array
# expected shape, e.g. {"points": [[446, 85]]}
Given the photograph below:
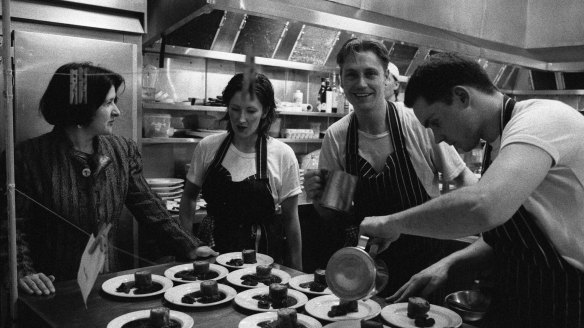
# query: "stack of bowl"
{"points": [[169, 190]]}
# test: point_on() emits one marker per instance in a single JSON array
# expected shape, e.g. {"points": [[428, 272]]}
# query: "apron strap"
{"points": [[262, 157], [507, 110], [220, 155], [352, 141]]}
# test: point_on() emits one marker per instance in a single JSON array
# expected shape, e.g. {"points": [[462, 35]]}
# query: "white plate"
{"points": [[246, 301], [110, 285], [261, 259], [170, 194], [175, 294], [347, 324], [170, 272], [234, 277], [319, 307], [397, 315], [164, 182], [253, 320], [185, 320], [296, 281], [171, 197], [166, 189]]}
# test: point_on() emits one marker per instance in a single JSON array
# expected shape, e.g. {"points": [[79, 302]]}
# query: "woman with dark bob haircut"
{"points": [[243, 174], [77, 179]]}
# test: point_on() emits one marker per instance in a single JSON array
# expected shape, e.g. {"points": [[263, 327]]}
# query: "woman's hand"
{"points": [[202, 252], [422, 283], [37, 283]]}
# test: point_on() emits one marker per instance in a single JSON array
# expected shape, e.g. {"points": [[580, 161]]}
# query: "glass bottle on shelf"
{"points": [[321, 95], [328, 96], [335, 94]]}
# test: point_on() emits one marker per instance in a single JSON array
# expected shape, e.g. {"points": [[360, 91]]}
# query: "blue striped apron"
{"points": [[240, 214], [394, 189], [536, 286]]}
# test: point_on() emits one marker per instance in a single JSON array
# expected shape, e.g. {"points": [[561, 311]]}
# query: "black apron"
{"points": [[536, 286], [240, 214], [394, 189]]}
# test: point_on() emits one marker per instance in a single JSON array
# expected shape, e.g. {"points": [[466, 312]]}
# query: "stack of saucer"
{"points": [[169, 190]]}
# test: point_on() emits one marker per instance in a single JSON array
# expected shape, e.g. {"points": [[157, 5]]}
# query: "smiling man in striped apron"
{"points": [[528, 204], [392, 154]]}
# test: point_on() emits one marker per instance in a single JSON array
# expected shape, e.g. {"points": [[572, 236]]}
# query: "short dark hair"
{"points": [[435, 78], [265, 93], [356, 45], [55, 104]]}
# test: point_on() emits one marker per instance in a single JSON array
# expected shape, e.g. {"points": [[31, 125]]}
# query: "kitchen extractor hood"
{"points": [[308, 34]]}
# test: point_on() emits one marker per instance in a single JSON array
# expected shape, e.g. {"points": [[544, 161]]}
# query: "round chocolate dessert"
{"points": [[159, 317], [320, 276], [143, 279], [209, 289], [200, 267], [287, 318], [249, 256], [417, 307], [263, 271], [278, 295]]}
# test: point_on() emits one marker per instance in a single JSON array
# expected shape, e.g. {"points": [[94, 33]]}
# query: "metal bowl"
{"points": [[471, 305]]}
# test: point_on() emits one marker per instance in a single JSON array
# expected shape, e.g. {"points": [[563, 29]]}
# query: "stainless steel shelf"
{"points": [[158, 141], [202, 108], [314, 114], [182, 107], [220, 55], [300, 140]]}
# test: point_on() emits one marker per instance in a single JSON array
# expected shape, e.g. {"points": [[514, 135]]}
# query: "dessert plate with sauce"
{"points": [[216, 272], [175, 295], [302, 283], [111, 286], [397, 315], [183, 319], [319, 308], [254, 321], [246, 299], [164, 182], [237, 277], [347, 324], [261, 259]]}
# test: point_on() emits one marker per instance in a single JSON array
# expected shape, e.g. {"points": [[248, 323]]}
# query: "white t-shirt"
{"points": [[558, 202], [282, 165], [427, 157]]}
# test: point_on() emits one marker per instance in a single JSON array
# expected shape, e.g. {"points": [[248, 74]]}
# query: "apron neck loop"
{"points": [[506, 112]]}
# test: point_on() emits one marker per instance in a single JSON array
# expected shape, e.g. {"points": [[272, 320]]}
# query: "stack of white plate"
{"points": [[170, 191]]}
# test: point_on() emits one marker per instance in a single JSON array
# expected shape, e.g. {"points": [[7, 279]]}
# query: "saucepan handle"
{"points": [[363, 240], [373, 250]]}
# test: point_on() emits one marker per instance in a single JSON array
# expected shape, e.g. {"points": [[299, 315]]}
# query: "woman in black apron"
{"points": [[241, 214]]}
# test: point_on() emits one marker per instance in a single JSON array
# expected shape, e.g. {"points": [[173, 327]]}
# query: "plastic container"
{"points": [[298, 97], [157, 126]]}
